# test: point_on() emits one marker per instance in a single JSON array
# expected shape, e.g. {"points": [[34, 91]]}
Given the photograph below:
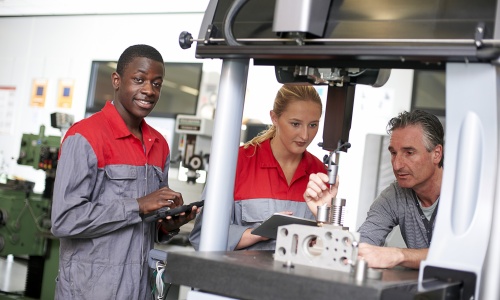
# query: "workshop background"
{"points": [[47, 57]]}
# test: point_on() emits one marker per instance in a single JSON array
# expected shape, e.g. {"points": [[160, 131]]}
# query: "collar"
{"points": [[267, 159], [118, 126], [427, 207]]}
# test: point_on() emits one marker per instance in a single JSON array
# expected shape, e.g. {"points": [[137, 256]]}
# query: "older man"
{"points": [[417, 153]]}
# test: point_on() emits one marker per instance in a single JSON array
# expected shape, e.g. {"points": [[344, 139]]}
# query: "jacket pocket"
{"points": [[254, 211], [122, 180]]}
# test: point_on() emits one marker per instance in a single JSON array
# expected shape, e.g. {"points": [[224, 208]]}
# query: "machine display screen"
{"points": [[429, 91]]}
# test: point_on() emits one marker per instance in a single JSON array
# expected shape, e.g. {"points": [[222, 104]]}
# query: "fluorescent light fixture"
{"points": [[189, 90], [170, 84]]}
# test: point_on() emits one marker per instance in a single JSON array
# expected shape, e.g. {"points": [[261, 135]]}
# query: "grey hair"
{"points": [[430, 124]]}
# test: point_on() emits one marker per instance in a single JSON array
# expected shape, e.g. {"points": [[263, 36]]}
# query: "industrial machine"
{"points": [[342, 44], [25, 216], [194, 146]]}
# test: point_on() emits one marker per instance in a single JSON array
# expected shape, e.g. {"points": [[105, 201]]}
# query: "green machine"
{"points": [[25, 219]]}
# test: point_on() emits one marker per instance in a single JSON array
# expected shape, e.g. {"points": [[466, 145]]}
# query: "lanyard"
{"points": [[429, 224]]}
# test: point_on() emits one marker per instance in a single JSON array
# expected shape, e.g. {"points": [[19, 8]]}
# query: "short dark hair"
{"points": [[135, 51], [432, 127]]}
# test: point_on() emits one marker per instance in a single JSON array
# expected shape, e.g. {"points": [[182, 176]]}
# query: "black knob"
{"points": [[185, 40]]}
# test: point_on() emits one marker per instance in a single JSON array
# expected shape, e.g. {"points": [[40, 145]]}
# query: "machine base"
{"points": [[256, 275]]}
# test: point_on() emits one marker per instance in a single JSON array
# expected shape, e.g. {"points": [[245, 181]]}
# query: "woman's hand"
{"points": [[318, 191]]}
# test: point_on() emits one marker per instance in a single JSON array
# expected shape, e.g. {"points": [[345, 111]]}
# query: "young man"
{"points": [[113, 169], [417, 153]]}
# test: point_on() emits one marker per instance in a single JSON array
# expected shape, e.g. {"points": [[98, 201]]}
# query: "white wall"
{"points": [[59, 47]]}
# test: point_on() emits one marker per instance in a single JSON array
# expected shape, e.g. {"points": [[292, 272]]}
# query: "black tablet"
{"points": [[269, 228]]}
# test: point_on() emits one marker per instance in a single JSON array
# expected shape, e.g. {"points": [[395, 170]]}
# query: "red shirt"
{"points": [[259, 175]]}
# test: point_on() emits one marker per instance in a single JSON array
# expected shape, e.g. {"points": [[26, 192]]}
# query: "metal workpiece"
{"points": [[338, 211], [323, 215], [324, 247]]}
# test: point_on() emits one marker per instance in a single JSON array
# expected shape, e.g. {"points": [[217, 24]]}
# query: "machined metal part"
{"points": [[360, 270], [337, 211], [323, 215], [324, 247], [333, 168]]}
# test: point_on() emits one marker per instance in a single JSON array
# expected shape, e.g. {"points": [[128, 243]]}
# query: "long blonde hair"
{"points": [[286, 94]]}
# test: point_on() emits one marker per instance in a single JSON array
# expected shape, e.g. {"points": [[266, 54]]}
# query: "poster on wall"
{"points": [[7, 94], [38, 92], [65, 93]]}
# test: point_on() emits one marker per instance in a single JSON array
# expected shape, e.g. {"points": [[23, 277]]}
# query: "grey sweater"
{"points": [[395, 206]]}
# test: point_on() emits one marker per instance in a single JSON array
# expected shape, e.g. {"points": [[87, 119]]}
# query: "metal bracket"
{"points": [[479, 34], [212, 31]]}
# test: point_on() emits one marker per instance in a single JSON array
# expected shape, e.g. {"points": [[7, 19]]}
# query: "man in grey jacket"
{"points": [[112, 170], [417, 152]]}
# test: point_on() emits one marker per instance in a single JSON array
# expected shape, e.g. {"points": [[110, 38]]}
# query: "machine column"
{"points": [[464, 219], [489, 288], [224, 155]]}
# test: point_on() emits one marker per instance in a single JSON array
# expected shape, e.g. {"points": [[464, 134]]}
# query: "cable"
{"points": [[229, 21], [159, 286], [358, 73]]}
